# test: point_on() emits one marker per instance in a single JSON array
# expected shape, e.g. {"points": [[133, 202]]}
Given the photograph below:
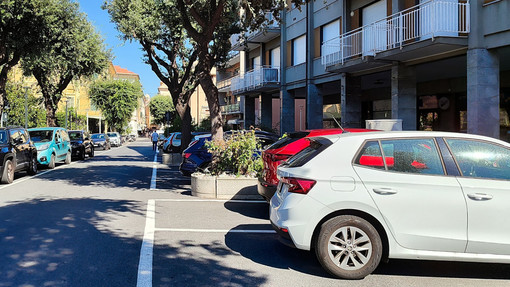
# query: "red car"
{"points": [[286, 147]]}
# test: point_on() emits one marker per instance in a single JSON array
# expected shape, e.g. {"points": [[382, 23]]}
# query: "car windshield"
{"points": [[41, 136], [97, 136], [112, 135], [75, 135], [3, 137]]}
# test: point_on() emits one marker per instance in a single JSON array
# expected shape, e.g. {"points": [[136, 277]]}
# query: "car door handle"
{"points": [[384, 191], [480, 196]]}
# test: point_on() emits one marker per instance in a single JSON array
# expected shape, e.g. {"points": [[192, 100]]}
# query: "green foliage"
{"points": [[74, 121], [236, 155], [175, 126], [15, 100], [158, 106], [117, 100], [71, 49]]}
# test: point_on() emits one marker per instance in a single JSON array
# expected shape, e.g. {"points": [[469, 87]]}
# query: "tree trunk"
{"points": [[213, 102], [184, 112]]}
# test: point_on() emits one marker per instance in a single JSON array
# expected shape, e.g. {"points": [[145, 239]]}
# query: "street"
{"points": [[124, 219]]}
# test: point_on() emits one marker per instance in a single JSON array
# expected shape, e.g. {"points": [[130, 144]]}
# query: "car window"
{"points": [[412, 156], [64, 135], [75, 135], [370, 155], [24, 136], [481, 159], [3, 137], [41, 136]]}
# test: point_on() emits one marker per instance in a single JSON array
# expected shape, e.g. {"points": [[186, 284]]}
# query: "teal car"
{"points": [[53, 145]]}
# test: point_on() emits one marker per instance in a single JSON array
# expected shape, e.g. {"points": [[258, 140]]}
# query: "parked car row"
{"points": [[25, 150], [357, 199]]}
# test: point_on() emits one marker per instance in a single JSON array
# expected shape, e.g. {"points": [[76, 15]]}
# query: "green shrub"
{"points": [[236, 155]]}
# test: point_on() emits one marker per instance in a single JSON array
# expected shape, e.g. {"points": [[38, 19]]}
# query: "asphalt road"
{"points": [[98, 222]]}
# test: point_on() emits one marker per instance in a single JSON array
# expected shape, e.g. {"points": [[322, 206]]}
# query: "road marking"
{"points": [[144, 278], [154, 170], [28, 177], [215, 230]]}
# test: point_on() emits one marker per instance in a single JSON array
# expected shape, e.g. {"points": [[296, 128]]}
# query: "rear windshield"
{"points": [[317, 145], [290, 138], [97, 136], [41, 136], [112, 135], [75, 135]]}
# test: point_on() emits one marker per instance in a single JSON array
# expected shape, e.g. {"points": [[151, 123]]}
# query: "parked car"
{"points": [[173, 142], [81, 144], [196, 156], [359, 198], [101, 141], [284, 148], [53, 145], [115, 139], [17, 153]]}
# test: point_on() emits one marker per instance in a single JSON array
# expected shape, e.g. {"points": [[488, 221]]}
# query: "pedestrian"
{"points": [[154, 137]]}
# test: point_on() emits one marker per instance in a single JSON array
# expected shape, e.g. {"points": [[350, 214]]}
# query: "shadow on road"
{"points": [[253, 210], [46, 242]]}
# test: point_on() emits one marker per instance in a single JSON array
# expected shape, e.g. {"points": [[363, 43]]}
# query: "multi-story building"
{"points": [[435, 64]]}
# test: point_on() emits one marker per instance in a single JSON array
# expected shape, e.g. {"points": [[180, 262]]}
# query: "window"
{"points": [[412, 156], [481, 159], [331, 31], [299, 50], [370, 156], [275, 57]]}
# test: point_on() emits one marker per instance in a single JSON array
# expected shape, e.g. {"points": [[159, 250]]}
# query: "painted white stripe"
{"points": [[28, 177], [144, 278], [211, 200], [154, 171], [215, 230]]}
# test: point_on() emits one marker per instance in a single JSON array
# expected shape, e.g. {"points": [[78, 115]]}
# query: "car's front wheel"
{"points": [[91, 154], [82, 154], [8, 174], [32, 169], [349, 247], [68, 158], [51, 165]]}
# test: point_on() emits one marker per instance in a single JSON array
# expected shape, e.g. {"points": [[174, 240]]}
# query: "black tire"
{"points": [[32, 169], [51, 164], [350, 259], [8, 174], [91, 154], [82, 154], [68, 158]]}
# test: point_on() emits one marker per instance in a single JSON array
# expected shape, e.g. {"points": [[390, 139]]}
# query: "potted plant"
{"points": [[233, 172]]}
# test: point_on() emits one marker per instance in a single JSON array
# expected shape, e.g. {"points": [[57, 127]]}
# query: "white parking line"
{"points": [[154, 171], [28, 177], [212, 200], [215, 230], [145, 264]]}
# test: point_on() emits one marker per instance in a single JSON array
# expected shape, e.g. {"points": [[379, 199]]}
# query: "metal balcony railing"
{"points": [[427, 20], [271, 23], [224, 83], [255, 78], [229, 109]]}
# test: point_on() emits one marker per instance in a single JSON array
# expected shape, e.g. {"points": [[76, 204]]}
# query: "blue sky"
{"points": [[127, 55]]}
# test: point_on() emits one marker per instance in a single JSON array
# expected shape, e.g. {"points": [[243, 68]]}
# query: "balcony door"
{"points": [[374, 33]]}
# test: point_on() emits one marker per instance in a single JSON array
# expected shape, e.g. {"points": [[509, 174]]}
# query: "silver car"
{"points": [[115, 139]]}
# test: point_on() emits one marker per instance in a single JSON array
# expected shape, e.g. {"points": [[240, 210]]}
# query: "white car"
{"points": [[358, 198], [115, 139]]}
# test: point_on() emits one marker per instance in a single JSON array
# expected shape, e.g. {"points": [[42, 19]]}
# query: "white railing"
{"points": [[424, 21], [255, 78], [232, 108]]}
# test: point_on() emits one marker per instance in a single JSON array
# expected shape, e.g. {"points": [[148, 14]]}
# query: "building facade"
{"points": [[436, 65]]}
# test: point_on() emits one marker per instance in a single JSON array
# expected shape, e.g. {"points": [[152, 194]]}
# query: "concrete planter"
{"points": [[224, 187]]}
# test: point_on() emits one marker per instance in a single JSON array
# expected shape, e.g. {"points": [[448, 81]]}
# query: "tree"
{"points": [[74, 120], [159, 106], [71, 49], [155, 25], [22, 30], [117, 100], [15, 100]]}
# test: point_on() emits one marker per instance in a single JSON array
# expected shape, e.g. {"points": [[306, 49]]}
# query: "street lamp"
{"points": [[67, 101]]}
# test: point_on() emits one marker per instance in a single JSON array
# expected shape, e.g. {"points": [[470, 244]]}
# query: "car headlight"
{"points": [[43, 147]]}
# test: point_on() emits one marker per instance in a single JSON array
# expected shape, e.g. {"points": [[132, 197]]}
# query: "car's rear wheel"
{"points": [[32, 169], [349, 247], [82, 154], [51, 164], [8, 174], [68, 158]]}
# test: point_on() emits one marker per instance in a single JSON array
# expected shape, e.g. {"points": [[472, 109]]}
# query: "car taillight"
{"points": [[280, 157], [186, 155], [298, 185]]}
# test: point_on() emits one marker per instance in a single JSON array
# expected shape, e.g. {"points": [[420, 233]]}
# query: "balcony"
{"points": [[401, 37], [260, 79], [231, 109], [252, 39], [224, 85]]}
